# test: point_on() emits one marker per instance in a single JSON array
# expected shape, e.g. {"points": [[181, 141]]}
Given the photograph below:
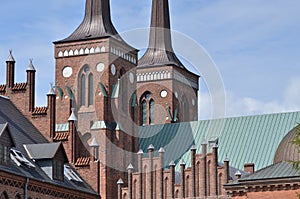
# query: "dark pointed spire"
{"points": [[96, 23], [160, 51]]}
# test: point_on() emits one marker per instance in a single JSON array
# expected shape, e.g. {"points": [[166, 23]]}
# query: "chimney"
{"points": [[140, 170], [172, 181], [203, 171], [214, 185], [10, 70], [31, 85], [130, 170], [120, 184], [72, 131], [193, 162], [95, 149], [150, 173], [249, 167], [161, 173], [51, 107], [226, 170], [182, 170]]}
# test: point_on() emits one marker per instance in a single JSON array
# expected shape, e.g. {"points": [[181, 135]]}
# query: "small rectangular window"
{"points": [[57, 170], [6, 154], [1, 154]]}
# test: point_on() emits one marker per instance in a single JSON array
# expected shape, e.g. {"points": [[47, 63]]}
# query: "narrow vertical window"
{"points": [[1, 154], [91, 90], [152, 111], [6, 154], [82, 90], [144, 112]]}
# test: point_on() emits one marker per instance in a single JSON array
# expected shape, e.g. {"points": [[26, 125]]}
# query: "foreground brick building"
{"points": [[108, 108]]}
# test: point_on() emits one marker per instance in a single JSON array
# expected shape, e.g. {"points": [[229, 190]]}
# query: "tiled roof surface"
{"points": [[24, 132], [61, 136], [248, 139], [82, 161], [40, 111], [19, 86]]}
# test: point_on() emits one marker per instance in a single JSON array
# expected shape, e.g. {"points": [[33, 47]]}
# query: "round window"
{"points": [[100, 67], [67, 71], [163, 93]]}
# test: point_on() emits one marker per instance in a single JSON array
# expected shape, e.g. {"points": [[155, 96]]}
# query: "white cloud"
{"points": [[240, 106]]}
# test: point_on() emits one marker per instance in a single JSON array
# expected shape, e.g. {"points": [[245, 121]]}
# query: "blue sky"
{"points": [[254, 44]]}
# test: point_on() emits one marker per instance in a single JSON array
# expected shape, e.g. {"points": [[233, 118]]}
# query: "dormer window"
{"points": [[51, 157], [4, 154], [6, 143], [58, 170]]}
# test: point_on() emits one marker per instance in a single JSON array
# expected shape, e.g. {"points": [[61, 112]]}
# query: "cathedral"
{"points": [[116, 126]]}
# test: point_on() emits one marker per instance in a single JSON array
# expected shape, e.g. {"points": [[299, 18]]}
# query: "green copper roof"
{"points": [[248, 139]]}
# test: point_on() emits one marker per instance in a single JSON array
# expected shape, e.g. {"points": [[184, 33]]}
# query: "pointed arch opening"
{"points": [[86, 87], [147, 115]]}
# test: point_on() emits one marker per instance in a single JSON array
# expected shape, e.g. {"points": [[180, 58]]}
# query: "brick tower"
{"points": [[166, 90], [95, 75]]}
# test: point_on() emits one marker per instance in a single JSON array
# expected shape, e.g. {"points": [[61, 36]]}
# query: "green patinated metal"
{"points": [[247, 139]]}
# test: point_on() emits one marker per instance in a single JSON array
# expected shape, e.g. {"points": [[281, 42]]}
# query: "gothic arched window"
{"points": [[82, 90], [144, 112], [91, 89], [86, 87], [152, 111], [147, 109]]}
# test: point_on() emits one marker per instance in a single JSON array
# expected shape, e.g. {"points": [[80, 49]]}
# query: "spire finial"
{"points": [[30, 66], [51, 91], [10, 57]]}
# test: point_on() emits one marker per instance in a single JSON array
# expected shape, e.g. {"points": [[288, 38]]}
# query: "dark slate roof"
{"points": [[23, 132], [248, 139], [160, 51], [2, 128], [279, 170], [96, 23], [42, 151]]}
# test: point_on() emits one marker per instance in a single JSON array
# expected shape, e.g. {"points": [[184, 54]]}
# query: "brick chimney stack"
{"points": [[249, 167], [214, 185], [31, 85], [72, 132], [51, 95], [10, 70]]}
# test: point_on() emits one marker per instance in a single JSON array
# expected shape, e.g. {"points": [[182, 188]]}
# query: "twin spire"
{"points": [[97, 24], [160, 51]]}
